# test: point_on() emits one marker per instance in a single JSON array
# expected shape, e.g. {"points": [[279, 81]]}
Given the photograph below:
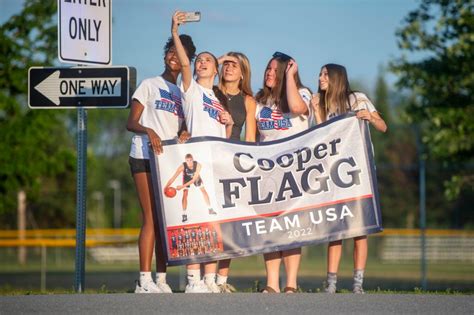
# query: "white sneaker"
{"points": [[197, 287], [164, 287], [357, 289], [213, 287], [331, 288], [227, 288], [147, 287]]}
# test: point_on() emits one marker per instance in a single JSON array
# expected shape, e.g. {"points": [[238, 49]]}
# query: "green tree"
{"points": [[437, 65], [36, 151], [109, 147], [395, 153]]}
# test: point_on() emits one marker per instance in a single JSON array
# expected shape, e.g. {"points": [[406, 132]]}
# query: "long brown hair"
{"points": [[244, 84], [277, 94], [338, 91], [217, 91]]}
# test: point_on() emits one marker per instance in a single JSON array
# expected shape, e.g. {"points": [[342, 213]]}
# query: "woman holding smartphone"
{"points": [[334, 98], [282, 111], [205, 112]]}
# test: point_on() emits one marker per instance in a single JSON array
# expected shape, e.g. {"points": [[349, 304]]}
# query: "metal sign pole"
{"points": [[81, 198], [422, 196]]}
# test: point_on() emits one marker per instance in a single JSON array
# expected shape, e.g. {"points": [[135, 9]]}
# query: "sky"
{"points": [[359, 34]]}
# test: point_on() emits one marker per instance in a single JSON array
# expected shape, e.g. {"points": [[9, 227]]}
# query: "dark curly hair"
{"points": [[187, 42]]}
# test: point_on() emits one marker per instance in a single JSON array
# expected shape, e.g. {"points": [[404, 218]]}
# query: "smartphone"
{"points": [[192, 16]]}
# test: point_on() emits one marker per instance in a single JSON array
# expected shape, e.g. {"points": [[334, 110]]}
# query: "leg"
{"points": [[224, 267], [334, 257], [207, 201], [210, 269], [291, 260], [206, 197], [195, 285], [184, 203], [146, 239], [222, 275], [159, 254], [360, 259], [360, 252], [272, 266]]}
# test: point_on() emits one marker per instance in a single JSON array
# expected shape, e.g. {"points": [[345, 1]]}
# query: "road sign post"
{"points": [[81, 183], [81, 88], [84, 37]]}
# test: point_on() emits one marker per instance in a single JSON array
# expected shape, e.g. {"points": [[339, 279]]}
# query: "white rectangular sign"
{"points": [[84, 31], [87, 87]]}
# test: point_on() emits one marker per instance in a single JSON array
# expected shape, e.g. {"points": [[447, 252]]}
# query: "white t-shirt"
{"points": [[201, 111], [272, 124], [357, 101], [162, 112]]}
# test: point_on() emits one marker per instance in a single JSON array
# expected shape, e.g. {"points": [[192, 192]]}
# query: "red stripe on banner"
{"points": [[273, 214]]}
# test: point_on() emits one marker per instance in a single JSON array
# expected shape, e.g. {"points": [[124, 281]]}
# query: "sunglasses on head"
{"points": [[282, 56]]}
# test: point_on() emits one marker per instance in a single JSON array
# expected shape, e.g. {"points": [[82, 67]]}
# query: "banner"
{"points": [[244, 198]]}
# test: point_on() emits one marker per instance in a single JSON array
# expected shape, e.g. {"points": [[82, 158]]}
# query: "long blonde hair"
{"points": [[244, 83]]}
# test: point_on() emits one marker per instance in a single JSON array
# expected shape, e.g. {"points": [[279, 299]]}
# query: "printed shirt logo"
{"points": [[212, 107], [272, 119], [170, 102]]}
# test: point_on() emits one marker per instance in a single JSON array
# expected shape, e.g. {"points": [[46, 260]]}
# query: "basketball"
{"points": [[170, 192]]}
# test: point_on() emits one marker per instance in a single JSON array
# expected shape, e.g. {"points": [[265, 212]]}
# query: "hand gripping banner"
{"points": [[219, 199]]}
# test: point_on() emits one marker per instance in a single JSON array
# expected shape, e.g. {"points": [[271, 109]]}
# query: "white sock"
{"points": [[221, 279], [209, 278], [145, 276], [358, 277], [161, 277], [194, 275]]}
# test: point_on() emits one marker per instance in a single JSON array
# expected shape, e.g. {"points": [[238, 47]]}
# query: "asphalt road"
{"points": [[240, 303], [125, 282]]}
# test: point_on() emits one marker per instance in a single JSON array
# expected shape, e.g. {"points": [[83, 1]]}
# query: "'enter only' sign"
{"points": [[84, 31]]}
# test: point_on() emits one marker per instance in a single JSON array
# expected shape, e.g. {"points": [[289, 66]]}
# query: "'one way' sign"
{"points": [[107, 87]]}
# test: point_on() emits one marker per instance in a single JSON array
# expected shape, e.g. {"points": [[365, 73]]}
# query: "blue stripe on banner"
{"points": [[250, 236], [296, 229]]}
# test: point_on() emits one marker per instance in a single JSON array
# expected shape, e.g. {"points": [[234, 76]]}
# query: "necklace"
{"points": [[230, 96]]}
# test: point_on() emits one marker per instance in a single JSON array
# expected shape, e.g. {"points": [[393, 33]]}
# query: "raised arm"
{"points": [[186, 73], [295, 101]]}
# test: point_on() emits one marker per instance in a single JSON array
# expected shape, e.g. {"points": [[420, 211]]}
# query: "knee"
{"points": [[360, 241], [148, 225], [335, 243]]}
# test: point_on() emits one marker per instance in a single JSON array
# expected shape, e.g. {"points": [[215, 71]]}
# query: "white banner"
{"points": [[250, 198]]}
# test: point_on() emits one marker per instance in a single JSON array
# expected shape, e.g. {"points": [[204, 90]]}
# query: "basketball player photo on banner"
{"points": [[221, 198]]}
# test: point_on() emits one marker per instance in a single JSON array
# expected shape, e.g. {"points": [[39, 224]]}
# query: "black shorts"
{"points": [[139, 165]]}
